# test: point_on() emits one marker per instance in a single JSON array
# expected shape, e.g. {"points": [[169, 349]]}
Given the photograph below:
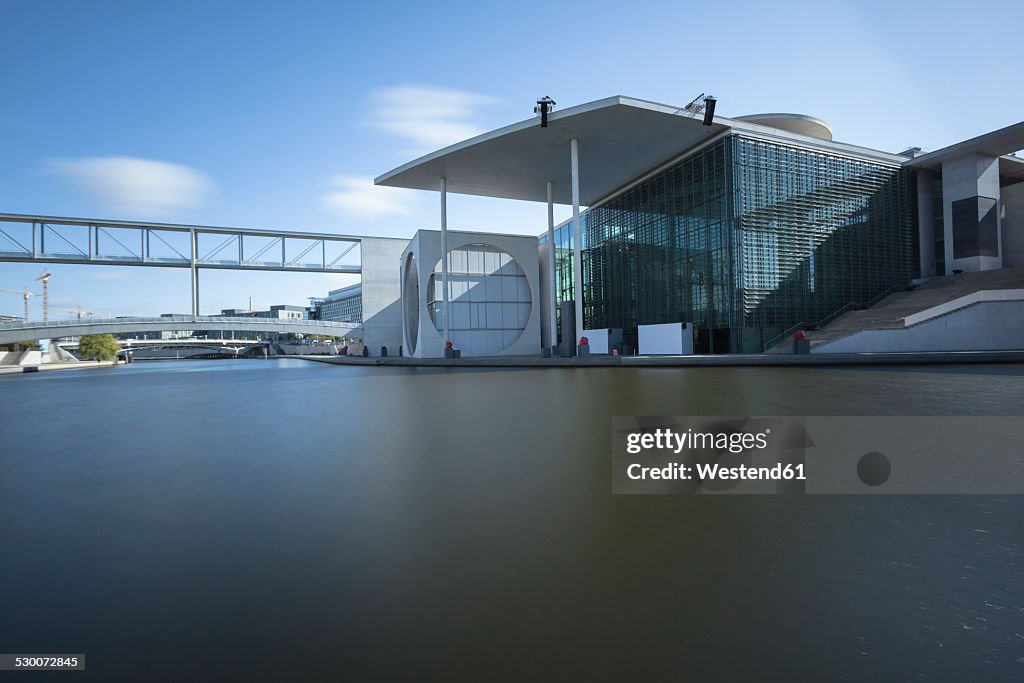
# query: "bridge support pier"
{"points": [[195, 275]]}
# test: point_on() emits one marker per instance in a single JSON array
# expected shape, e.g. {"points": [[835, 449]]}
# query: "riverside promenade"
{"points": [[724, 360]]}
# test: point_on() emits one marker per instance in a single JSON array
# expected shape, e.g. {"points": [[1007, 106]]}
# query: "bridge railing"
{"points": [[203, 322]]}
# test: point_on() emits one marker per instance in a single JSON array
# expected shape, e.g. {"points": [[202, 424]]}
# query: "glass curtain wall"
{"points": [[564, 283], [819, 233], [662, 252], [746, 239]]}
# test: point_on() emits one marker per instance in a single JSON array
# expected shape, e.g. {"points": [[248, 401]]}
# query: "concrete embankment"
{"points": [[47, 367], [753, 360]]}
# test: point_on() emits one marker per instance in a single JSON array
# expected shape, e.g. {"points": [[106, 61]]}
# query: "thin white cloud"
{"points": [[358, 197], [107, 275], [136, 186], [425, 116]]}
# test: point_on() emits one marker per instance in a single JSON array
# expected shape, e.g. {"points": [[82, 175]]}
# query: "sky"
{"points": [[279, 115]]}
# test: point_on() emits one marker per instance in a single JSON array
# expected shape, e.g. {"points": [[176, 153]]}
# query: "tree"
{"points": [[98, 346]]}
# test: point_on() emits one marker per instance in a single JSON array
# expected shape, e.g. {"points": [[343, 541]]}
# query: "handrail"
{"points": [[327, 324]]}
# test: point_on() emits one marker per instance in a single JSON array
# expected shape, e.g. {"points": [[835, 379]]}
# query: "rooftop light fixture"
{"points": [[544, 105], [701, 104], [709, 110]]}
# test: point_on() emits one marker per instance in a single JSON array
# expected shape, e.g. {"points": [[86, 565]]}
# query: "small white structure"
{"points": [[670, 339], [603, 339], [598, 339]]}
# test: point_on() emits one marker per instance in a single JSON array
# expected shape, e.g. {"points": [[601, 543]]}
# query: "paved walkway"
{"points": [[731, 360]]}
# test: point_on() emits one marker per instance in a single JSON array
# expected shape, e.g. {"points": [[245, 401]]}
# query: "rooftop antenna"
{"points": [[544, 105], [701, 105]]}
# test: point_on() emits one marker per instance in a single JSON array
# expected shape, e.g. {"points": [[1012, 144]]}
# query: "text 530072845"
{"points": [[19, 662]]}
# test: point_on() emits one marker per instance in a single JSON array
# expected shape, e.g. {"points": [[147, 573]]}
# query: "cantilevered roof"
{"points": [[620, 138], [997, 143], [1011, 169]]}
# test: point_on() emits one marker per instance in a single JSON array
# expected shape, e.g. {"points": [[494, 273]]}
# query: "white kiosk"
{"points": [[670, 339]]}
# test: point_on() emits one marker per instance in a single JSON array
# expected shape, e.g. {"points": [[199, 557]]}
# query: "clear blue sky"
{"points": [[271, 114]]}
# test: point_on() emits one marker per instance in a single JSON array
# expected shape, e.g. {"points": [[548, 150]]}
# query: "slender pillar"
{"points": [[444, 256], [577, 260], [552, 284], [195, 277]]}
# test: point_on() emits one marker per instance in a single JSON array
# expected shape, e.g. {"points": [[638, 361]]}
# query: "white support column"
{"points": [[444, 256], [195, 276], [552, 283], [577, 260]]}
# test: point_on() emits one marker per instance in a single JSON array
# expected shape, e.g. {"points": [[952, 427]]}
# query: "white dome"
{"points": [[801, 124]]}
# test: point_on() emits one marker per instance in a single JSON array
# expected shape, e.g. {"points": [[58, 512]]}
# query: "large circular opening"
{"points": [[489, 299], [411, 302]]}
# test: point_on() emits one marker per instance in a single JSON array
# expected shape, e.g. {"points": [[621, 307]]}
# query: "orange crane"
{"points": [[45, 278], [27, 294]]}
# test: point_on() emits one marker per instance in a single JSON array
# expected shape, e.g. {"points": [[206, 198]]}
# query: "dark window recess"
{"points": [[975, 228], [988, 230]]}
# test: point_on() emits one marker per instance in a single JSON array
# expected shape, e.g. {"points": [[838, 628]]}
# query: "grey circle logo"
{"points": [[874, 468]]}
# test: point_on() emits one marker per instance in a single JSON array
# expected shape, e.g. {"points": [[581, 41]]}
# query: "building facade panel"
{"points": [[746, 238]]}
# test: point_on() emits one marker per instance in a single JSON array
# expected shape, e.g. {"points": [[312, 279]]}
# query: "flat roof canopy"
{"points": [[996, 144], [620, 139]]}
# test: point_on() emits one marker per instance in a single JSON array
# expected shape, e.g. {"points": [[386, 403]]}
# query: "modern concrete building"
{"points": [[492, 300], [342, 305], [971, 204], [746, 227], [381, 293], [281, 312]]}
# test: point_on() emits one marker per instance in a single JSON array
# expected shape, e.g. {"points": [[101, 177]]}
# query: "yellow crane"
{"points": [[27, 294], [45, 278]]}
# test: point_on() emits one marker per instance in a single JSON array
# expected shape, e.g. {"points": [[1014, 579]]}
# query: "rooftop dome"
{"points": [[801, 124]]}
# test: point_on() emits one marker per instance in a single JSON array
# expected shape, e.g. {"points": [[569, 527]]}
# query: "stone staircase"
{"points": [[890, 311]]}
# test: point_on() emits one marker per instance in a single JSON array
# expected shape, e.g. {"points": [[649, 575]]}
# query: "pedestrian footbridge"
{"points": [[19, 331]]}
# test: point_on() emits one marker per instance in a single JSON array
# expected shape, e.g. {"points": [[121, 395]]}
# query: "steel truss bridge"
{"points": [[12, 332], [49, 239]]}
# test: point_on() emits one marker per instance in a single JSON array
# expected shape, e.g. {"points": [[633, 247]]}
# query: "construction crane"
{"points": [[79, 313], [27, 294], [45, 278]]}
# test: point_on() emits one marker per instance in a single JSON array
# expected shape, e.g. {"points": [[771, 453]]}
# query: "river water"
{"points": [[285, 520]]}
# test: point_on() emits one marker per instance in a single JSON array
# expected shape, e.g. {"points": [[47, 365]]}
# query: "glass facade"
{"points": [[488, 298], [938, 224], [746, 239], [563, 267]]}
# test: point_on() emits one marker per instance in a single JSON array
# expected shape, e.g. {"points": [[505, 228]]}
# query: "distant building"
{"points": [[281, 312], [341, 305]]}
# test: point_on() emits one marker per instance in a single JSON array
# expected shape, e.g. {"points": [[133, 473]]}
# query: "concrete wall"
{"points": [[985, 326], [543, 251], [30, 357], [1013, 225], [972, 175], [426, 249], [382, 293]]}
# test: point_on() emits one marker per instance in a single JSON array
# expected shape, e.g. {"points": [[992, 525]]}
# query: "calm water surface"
{"points": [[283, 520]]}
